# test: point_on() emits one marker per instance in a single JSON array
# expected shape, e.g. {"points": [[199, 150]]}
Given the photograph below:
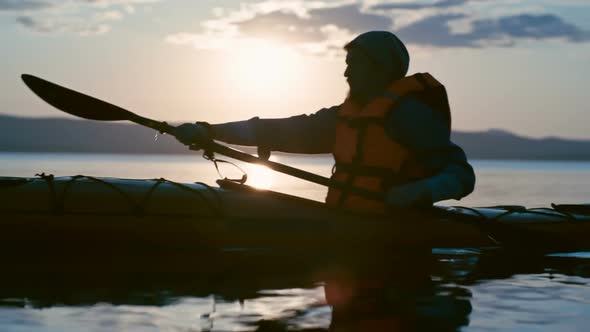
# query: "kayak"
{"points": [[107, 216], [84, 214]]}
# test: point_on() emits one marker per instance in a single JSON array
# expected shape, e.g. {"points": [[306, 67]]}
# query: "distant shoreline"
{"points": [[285, 155], [60, 135]]}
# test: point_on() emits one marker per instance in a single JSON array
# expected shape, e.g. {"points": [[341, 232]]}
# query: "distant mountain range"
{"points": [[64, 135]]}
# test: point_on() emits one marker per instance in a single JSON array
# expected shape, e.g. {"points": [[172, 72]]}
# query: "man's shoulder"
{"points": [[327, 113], [417, 125], [329, 110], [411, 111]]}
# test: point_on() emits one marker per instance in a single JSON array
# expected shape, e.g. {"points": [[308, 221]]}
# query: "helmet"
{"points": [[385, 49]]}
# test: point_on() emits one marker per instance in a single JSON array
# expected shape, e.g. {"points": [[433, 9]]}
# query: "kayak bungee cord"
{"points": [[138, 208], [210, 156], [556, 210], [561, 211], [499, 232]]}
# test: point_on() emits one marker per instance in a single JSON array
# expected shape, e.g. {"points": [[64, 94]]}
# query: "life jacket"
{"points": [[368, 158]]}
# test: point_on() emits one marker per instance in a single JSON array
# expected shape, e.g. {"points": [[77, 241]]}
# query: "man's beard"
{"points": [[362, 96], [359, 96]]}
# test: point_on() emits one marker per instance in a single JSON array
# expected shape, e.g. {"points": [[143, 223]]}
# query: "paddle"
{"points": [[87, 107]]}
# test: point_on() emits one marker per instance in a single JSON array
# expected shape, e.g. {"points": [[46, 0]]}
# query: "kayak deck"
{"points": [[90, 213]]}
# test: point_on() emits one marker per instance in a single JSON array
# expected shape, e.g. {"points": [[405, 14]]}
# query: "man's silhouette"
{"points": [[391, 135]]}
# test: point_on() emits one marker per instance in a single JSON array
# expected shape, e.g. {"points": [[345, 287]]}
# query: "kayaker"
{"points": [[391, 135]]}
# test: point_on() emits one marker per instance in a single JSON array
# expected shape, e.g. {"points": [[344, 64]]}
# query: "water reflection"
{"points": [[264, 291], [260, 177], [398, 294]]}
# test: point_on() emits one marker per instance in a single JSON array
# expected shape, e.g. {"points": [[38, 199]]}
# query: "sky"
{"points": [[516, 65]]}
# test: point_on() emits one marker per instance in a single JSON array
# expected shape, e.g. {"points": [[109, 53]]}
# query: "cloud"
{"points": [[108, 3], [82, 17], [279, 26], [436, 31], [23, 5], [351, 17], [78, 26], [325, 26], [531, 26], [289, 26], [30, 23], [417, 5], [111, 15], [316, 27]]}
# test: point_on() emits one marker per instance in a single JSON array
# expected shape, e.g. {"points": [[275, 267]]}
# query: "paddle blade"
{"points": [[74, 102]]}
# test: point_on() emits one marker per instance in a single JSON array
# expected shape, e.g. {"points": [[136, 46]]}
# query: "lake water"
{"points": [[450, 290]]}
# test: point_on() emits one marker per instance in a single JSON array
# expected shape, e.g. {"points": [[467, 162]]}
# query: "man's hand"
{"points": [[192, 133], [413, 194]]}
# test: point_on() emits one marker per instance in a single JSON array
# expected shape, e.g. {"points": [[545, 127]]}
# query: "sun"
{"points": [[261, 67]]}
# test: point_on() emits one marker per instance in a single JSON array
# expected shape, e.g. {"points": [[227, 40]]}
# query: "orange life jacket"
{"points": [[367, 157]]}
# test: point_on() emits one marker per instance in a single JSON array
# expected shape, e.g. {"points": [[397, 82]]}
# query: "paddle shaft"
{"points": [[212, 146]]}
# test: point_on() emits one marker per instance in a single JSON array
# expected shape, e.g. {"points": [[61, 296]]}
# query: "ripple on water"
{"points": [[540, 302]]}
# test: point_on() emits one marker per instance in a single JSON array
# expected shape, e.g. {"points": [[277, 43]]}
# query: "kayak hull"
{"points": [[107, 216]]}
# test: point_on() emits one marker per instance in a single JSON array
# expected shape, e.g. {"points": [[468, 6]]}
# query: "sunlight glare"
{"points": [[261, 67], [260, 177]]}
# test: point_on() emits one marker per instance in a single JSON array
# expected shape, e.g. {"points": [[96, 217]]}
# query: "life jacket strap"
{"points": [[362, 122], [390, 177]]}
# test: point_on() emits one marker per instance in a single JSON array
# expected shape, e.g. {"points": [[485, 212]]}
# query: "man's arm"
{"points": [[425, 132], [455, 181], [298, 134]]}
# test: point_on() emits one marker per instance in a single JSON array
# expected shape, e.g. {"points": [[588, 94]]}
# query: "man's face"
{"points": [[362, 75]]}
